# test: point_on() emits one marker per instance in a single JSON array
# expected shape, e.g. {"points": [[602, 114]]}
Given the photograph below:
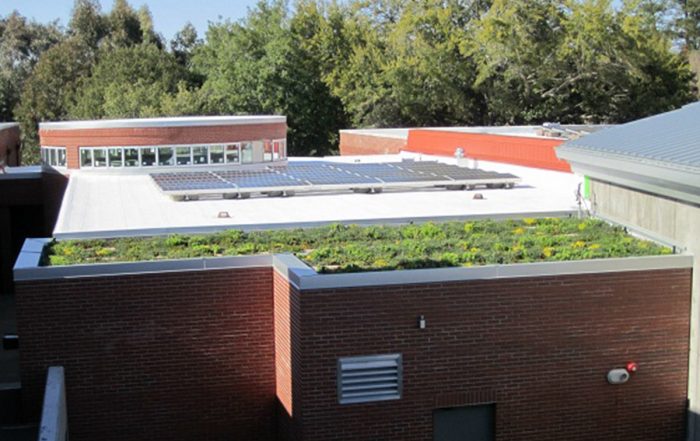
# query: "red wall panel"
{"points": [[519, 150]]}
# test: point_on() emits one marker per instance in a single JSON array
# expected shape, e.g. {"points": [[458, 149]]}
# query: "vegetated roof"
{"points": [[670, 139], [183, 121], [351, 248]]}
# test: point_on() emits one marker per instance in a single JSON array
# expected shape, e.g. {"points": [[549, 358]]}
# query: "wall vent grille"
{"points": [[372, 378]]}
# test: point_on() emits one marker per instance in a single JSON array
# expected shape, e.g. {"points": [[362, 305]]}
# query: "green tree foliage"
{"points": [[128, 82], [689, 23], [266, 64], [87, 22], [577, 62], [330, 64], [185, 43], [125, 25], [21, 44], [50, 90]]}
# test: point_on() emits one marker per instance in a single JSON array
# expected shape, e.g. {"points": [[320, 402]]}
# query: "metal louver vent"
{"points": [[373, 378]]}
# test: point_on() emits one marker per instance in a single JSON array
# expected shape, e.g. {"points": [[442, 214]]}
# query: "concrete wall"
{"points": [[673, 221]]}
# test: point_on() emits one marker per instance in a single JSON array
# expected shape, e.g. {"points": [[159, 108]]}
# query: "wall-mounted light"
{"points": [[421, 322]]}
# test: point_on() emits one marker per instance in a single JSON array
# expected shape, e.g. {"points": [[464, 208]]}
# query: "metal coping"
{"points": [[328, 176], [303, 277], [191, 121]]}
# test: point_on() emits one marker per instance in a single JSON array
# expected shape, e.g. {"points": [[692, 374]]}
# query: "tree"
{"points": [[128, 82], [87, 22], [185, 43], [50, 90], [124, 25], [21, 44], [578, 62], [263, 65]]}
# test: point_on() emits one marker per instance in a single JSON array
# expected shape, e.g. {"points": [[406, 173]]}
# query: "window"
{"points": [[247, 152], [267, 151], [85, 158], [53, 156], [115, 157], [200, 155], [166, 156], [131, 157], [216, 154], [372, 378], [183, 155], [148, 156], [233, 154], [100, 156], [61, 159]]}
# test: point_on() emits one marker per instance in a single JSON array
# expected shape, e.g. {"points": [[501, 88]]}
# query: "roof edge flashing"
{"points": [[303, 277], [198, 121]]}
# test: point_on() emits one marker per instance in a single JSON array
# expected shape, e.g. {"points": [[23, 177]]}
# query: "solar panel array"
{"points": [[320, 175]]}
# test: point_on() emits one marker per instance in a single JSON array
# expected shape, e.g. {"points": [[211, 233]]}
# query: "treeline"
{"points": [[385, 63]]}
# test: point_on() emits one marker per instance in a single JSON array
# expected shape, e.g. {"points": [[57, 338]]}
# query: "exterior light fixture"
{"points": [[478, 197], [421, 322], [223, 215]]}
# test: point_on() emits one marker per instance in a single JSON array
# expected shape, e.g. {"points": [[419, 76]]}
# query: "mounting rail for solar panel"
{"points": [[467, 184]]}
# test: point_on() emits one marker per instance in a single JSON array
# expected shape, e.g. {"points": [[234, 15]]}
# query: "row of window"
{"points": [[54, 156], [164, 156]]}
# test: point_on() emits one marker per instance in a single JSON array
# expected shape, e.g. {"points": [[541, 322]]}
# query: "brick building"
{"points": [[264, 348], [530, 146]]}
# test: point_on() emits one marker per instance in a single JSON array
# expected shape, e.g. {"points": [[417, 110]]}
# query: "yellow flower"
{"points": [[519, 230], [594, 246], [548, 251], [579, 244], [529, 221]]}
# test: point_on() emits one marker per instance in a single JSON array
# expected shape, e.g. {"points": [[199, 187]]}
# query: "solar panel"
{"points": [[325, 175]]}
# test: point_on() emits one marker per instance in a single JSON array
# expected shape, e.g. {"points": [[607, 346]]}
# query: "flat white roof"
{"points": [[183, 121], [106, 205], [5, 126], [384, 133]]}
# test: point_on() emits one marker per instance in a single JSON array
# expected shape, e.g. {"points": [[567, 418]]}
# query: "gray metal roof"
{"points": [[659, 154], [671, 139]]}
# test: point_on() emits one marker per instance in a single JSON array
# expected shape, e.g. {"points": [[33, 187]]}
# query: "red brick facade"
{"points": [[539, 348], [357, 144], [76, 138], [172, 356], [207, 354]]}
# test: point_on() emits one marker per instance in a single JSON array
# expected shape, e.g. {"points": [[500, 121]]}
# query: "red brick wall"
{"points": [[74, 139], [540, 348], [356, 144], [242, 354], [171, 356], [287, 356], [519, 150], [9, 147]]}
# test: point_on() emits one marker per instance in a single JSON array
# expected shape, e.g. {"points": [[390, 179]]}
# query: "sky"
{"points": [[169, 16]]}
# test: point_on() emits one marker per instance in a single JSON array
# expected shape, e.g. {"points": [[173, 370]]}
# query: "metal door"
{"points": [[470, 423]]}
